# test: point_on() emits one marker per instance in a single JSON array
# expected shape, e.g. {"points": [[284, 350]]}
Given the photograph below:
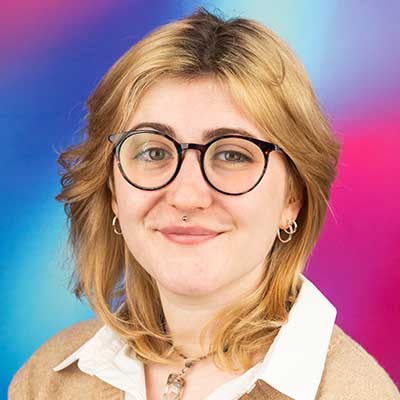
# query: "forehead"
{"points": [[192, 109]]}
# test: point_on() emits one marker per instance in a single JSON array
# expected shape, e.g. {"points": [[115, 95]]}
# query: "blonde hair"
{"points": [[271, 85]]}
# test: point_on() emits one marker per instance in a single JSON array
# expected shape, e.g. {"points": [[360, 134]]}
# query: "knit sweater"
{"points": [[350, 373]]}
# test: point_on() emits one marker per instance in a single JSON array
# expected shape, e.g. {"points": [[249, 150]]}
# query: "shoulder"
{"points": [[37, 370], [352, 373], [63, 343]]}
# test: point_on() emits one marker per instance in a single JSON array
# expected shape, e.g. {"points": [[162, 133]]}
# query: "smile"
{"points": [[188, 239]]}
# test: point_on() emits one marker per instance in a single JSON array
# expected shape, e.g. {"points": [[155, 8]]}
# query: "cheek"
{"points": [[258, 222], [262, 207], [131, 203]]}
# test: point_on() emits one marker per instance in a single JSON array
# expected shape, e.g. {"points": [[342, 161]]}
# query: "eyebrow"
{"points": [[208, 134]]}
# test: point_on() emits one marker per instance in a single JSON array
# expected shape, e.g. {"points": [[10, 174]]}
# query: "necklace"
{"points": [[176, 382]]}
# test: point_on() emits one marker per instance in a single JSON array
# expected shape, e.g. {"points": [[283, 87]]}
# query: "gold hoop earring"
{"points": [[113, 224], [291, 231]]}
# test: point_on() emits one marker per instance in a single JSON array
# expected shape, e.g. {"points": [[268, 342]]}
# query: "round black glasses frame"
{"points": [[118, 138]]}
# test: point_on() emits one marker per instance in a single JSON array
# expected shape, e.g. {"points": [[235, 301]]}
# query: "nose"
{"points": [[189, 189]]}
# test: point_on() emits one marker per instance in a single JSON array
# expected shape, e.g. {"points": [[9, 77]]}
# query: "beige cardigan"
{"points": [[350, 373]]}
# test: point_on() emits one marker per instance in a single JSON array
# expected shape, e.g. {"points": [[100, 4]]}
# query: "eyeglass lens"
{"points": [[232, 165]]}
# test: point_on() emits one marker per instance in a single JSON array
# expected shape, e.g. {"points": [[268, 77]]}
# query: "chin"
{"points": [[193, 289]]}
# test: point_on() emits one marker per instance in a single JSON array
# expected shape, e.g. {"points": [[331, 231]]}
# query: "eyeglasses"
{"points": [[232, 164]]}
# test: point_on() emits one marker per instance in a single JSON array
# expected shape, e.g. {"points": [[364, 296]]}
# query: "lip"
{"points": [[188, 230], [189, 239]]}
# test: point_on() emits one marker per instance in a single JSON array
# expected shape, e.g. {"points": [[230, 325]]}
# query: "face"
{"points": [[248, 222]]}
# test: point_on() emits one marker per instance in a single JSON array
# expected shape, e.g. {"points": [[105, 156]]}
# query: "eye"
{"points": [[237, 156], [152, 154]]}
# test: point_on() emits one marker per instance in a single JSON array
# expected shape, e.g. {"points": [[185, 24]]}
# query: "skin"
{"points": [[196, 281]]}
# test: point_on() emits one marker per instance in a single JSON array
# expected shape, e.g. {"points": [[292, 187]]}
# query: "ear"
{"points": [[290, 212], [114, 204]]}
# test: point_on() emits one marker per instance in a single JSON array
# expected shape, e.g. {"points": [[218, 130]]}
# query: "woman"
{"points": [[194, 203]]}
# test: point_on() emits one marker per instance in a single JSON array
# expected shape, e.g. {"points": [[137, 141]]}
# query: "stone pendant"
{"points": [[173, 389]]}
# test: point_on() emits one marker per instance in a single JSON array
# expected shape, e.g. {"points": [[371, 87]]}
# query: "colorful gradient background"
{"points": [[54, 53]]}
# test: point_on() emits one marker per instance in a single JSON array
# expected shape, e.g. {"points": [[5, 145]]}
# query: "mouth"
{"points": [[181, 238]]}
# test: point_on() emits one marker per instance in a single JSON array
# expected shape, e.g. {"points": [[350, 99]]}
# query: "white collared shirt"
{"points": [[293, 364]]}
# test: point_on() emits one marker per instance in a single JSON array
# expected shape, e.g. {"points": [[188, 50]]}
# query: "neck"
{"points": [[186, 315]]}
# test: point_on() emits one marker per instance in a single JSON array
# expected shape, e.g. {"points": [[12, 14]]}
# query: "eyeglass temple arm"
{"points": [[112, 138]]}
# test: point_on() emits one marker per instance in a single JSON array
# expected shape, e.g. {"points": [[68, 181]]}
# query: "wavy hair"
{"points": [[271, 85]]}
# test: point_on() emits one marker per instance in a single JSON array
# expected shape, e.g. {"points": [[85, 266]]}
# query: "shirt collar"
{"points": [[293, 364], [295, 360], [108, 356]]}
